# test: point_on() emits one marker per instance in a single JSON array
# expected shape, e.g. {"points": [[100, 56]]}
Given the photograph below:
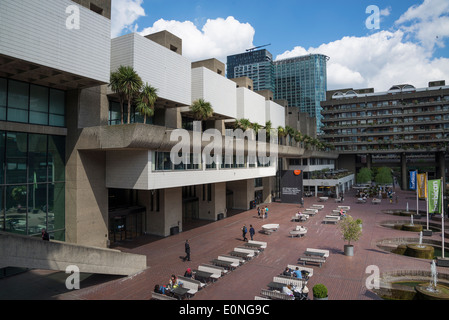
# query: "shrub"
{"points": [[320, 291]]}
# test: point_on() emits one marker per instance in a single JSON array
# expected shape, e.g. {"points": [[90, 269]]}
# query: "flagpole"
{"points": [[442, 219], [427, 199]]}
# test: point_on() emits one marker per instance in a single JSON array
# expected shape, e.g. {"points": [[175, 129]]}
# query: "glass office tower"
{"points": [[256, 65], [302, 81]]}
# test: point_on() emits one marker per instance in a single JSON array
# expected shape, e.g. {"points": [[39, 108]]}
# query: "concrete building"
{"points": [[405, 128]]}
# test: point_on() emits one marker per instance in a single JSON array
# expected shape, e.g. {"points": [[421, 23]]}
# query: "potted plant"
{"points": [[351, 231], [320, 292]]}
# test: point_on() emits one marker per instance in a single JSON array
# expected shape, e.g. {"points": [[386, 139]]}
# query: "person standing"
{"points": [[252, 232], [187, 251], [266, 212], [45, 235], [244, 231]]}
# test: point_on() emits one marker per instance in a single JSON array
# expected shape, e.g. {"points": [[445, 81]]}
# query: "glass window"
{"points": [[38, 105], [3, 95], [57, 108], [18, 101], [16, 159], [56, 158], [56, 206], [37, 158], [37, 208], [16, 200]]}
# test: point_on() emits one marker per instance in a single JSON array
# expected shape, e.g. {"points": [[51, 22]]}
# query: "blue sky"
{"points": [[410, 46]]}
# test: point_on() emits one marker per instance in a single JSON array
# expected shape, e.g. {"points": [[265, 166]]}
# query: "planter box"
{"points": [[349, 250], [427, 233]]}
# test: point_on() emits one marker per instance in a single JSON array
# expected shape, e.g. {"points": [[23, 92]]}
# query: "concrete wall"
{"points": [[209, 210], [243, 193], [251, 106], [36, 31], [26, 252]]}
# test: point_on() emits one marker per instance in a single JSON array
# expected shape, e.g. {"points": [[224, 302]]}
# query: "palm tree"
{"points": [[146, 100], [268, 127], [281, 133], [202, 110], [114, 84], [130, 84], [243, 124]]}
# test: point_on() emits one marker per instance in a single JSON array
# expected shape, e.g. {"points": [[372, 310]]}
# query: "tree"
{"points": [[365, 175], [350, 229], [146, 100], [243, 124], [202, 110], [384, 176], [130, 84], [115, 85]]}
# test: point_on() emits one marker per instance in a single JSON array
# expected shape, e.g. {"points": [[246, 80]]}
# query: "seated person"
{"points": [[287, 290], [287, 272], [159, 289], [297, 273], [173, 283], [188, 273]]}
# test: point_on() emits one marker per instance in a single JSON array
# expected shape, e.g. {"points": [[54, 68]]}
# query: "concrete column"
{"points": [[404, 171]]}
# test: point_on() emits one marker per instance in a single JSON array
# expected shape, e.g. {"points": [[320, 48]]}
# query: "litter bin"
{"points": [[174, 231], [220, 216]]}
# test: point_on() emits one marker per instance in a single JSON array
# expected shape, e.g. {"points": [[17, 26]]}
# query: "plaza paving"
{"points": [[344, 276]]}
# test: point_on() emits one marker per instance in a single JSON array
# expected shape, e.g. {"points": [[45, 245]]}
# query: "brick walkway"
{"points": [[344, 276]]}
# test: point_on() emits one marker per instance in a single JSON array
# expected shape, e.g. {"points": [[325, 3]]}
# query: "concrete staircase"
{"points": [[34, 253]]}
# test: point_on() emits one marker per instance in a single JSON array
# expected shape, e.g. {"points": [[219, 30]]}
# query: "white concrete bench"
{"points": [[290, 280], [235, 260], [376, 201], [197, 282], [260, 298], [216, 269], [318, 206], [216, 274], [324, 199], [347, 208], [189, 284], [246, 249], [275, 295], [262, 243]]}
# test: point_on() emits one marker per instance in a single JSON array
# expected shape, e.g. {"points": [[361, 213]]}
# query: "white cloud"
{"points": [[124, 14], [385, 12], [218, 38], [380, 60], [428, 22]]}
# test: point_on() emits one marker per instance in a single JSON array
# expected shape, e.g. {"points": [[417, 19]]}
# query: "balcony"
{"points": [[37, 47]]}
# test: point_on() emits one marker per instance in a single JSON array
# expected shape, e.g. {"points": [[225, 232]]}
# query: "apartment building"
{"points": [[405, 128]]}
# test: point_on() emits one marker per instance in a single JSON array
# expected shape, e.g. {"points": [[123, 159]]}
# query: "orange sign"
{"points": [[297, 172]]}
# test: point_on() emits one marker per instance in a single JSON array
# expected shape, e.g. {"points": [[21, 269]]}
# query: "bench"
{"points": [[159, 296], [318, 206], [275, 295], [253, 252], [239, 254], [234, 260], [260, 298], [376, 201], [302, 218], [326, 221], [225, 264], [323, 199], [214, 269], [215, 273], [347, 208], [253, 246], [313, 210], [305, 259], [261, 243], [301, 268], [290, 280], [191, 284]]}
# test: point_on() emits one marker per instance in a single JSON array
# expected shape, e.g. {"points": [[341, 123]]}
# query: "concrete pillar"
{"points": [[209, 210], [404, 171], [243, 193]]}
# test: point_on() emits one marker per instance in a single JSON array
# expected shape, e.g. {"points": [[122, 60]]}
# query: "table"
{"points": [[203, 275], [314, 254], [276, 285], [268, 228], [222, 263], [240, 254], [179, 292]]}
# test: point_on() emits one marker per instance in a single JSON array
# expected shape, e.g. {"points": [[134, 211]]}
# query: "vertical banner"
{"points": [[292, 186], [434, 199], [412, 185], [422, 185]]}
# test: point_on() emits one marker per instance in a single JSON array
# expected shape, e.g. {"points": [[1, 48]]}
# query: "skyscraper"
{"points": [[256, 65], [302, 81]]}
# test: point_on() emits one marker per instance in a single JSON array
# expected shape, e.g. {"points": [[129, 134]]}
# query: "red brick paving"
{"points": [[344, 276]]}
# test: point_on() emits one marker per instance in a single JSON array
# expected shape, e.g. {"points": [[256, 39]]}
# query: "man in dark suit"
{"points": [[187, 250]]}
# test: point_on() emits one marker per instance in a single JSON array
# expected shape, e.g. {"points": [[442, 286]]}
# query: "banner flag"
{"points": [[412, 185], [434, 200], [422, 185]]}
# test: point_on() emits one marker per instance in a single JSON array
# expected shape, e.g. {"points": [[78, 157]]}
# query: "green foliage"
{"points": [[320, 291], [350, 229], [365, 175], [146, 100], [383, 176], [202, 109]]}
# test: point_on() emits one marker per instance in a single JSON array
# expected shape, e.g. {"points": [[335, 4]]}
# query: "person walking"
{"points": [[187, 250], [252, 232], [266, 212], [244, 231]]}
